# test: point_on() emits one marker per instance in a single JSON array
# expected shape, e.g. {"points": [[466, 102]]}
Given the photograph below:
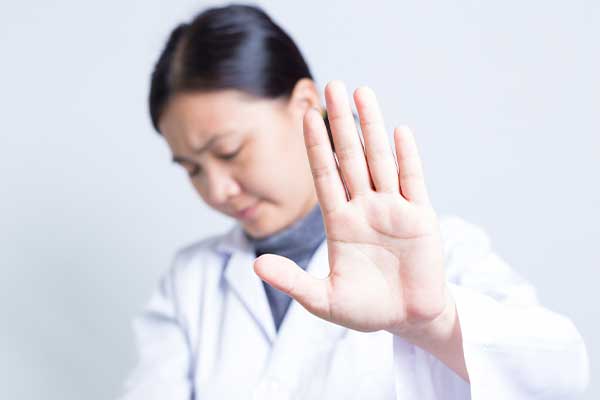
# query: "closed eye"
{"points": [[196, 169], [229, 156]]}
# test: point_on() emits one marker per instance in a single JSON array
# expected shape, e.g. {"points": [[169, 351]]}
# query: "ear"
{"points": [[303, 97]]}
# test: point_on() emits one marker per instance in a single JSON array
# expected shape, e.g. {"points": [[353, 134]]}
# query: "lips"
{"points": [[246, 212]]}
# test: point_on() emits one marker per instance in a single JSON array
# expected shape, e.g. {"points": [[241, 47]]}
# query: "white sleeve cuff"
{"points": [[519, 352]]}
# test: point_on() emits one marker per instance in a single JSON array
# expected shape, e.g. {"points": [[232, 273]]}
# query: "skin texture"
{"points": [[384, 245], [270, 167]]}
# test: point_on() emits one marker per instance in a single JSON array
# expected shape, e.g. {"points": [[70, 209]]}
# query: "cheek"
{"points": [[284, 180], [256, 172], [277, 171], [259, 176]]}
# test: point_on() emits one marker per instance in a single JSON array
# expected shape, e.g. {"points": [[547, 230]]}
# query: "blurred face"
{"points": [[245, 156]]}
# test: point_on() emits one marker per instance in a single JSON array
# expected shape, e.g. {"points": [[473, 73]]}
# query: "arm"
{"points": [[164, 357], [388, 268], [499, 337]]}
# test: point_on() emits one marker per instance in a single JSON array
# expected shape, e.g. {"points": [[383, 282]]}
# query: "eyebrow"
{"points": [[179, 159]]}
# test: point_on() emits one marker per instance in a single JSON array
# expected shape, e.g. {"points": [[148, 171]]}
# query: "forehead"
{"points": [[191, 118], [203, 112]]}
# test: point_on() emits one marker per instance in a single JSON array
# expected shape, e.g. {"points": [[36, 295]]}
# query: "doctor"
{"points": [[359, 290]]}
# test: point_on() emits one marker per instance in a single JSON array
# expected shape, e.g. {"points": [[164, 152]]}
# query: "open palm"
{"points": [[383, 239]]}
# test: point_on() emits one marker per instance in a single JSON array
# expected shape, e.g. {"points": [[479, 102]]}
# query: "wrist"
{"points": [[442, 337], [432, 333]]}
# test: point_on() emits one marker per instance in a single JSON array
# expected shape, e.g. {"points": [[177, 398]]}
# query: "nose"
{"points": [[221, 186]]}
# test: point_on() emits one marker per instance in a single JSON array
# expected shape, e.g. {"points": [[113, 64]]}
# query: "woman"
{"points": [[388, 300]]}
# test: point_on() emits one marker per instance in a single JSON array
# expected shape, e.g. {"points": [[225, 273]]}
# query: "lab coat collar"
{"points": [[240, 277], [303, 338], [234, 240], [300, 355]]}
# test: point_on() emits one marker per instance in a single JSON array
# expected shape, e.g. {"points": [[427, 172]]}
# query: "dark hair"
{"points": [[230, 47]]}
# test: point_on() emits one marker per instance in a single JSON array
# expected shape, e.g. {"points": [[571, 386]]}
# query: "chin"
{"points": [[261, 228], [257, 231]]}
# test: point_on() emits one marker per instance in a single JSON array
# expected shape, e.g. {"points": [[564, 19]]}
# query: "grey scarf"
{"points": [[297, 242]]}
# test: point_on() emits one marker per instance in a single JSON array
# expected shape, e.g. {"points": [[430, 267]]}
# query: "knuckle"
{"points": [[346, 153], [320, 171]]}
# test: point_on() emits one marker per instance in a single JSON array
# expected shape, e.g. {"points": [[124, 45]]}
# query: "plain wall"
{"points": [[503, 97]]}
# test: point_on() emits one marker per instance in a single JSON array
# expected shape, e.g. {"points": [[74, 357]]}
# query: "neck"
{"points": [[297, 239]]}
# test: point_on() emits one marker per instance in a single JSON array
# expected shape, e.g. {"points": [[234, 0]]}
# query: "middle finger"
{"points": [[348, 147], [380, 158]]}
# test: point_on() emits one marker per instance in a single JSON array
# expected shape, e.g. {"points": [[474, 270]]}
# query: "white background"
{"points": [[504, 99]]}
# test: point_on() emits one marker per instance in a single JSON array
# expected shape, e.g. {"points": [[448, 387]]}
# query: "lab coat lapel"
{"points": [[300, 356], [241, 278]]}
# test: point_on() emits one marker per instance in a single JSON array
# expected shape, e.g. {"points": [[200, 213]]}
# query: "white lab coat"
{"points": [[208, 333]]}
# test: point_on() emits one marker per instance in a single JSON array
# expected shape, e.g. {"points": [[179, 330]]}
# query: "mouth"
{"points": [[247, 213]]}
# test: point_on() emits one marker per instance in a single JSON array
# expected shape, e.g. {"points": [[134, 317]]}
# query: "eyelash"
{"points": [[229, 156]]}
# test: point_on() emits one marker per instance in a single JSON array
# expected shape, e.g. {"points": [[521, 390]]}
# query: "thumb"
{"points": [[285, 275]]}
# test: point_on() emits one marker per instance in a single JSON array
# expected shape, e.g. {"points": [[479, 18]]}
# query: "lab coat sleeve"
{"points": [[514, 348], [162, 369]]}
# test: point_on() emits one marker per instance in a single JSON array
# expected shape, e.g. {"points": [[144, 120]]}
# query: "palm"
{"points": [[383, 241]]}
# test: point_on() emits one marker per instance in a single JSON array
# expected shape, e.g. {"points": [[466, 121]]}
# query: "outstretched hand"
{"points": [[384, 245]]}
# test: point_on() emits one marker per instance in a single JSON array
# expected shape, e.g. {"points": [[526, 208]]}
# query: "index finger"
{"points": [[328, 184]]}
